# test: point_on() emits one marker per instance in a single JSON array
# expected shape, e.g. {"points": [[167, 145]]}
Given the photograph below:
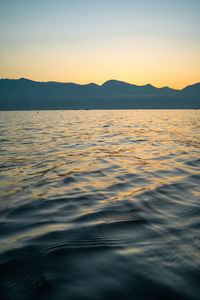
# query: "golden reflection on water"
{"points": [[129, 251], [118, 154], [8, 242], [104, 192]]}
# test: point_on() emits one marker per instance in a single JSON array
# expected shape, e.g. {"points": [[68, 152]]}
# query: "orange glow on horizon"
{"points": [[139, 82], [139, 42], [142, 61]]}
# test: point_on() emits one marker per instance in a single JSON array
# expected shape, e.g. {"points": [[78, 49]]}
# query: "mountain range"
{"points": [[25, 94]]}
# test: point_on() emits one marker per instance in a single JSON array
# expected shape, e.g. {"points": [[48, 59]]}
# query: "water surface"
{"points": [[100, 204]]}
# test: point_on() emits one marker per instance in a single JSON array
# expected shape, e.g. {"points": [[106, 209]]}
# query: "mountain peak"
{"points": [[149, 85], [24, 79], [115, 83]]}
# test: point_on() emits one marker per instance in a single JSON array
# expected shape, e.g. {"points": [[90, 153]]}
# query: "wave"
{"points": [[100, 205]]}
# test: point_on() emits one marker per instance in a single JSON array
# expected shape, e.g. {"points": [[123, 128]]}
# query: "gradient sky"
{"points": [[138, 41]]}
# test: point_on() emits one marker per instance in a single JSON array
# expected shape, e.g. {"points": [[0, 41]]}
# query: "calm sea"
{"points": [[100, 204]]}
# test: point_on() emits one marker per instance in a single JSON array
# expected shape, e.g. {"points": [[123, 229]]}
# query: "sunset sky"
{"points": [[82, 41]]}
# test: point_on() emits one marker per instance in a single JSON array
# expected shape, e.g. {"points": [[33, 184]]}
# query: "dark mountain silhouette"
{"points": [[16, 94]]}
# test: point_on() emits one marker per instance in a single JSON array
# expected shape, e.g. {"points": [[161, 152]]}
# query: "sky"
{"points": [[82, 41]]}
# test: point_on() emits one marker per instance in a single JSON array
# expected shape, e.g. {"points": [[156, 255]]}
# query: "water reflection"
{"points": [[112, 196]]}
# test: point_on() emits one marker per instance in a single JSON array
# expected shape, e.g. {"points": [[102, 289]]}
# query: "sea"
{"points": [[100, 205]]}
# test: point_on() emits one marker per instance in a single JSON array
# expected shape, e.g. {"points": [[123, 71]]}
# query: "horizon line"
{"points": [[165, 86]]}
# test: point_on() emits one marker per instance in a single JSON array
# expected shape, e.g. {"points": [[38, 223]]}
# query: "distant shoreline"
{"points": [[38, 110], [24, 94]]}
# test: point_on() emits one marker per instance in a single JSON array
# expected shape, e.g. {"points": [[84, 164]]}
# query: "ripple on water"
{"points": [[100, 205]]}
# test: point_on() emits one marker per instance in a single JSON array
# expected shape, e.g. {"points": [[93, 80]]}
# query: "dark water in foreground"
{"points": [[100, 205]]}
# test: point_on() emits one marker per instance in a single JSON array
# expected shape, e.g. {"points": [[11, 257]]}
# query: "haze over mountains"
{"points": [[17, 94]]}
